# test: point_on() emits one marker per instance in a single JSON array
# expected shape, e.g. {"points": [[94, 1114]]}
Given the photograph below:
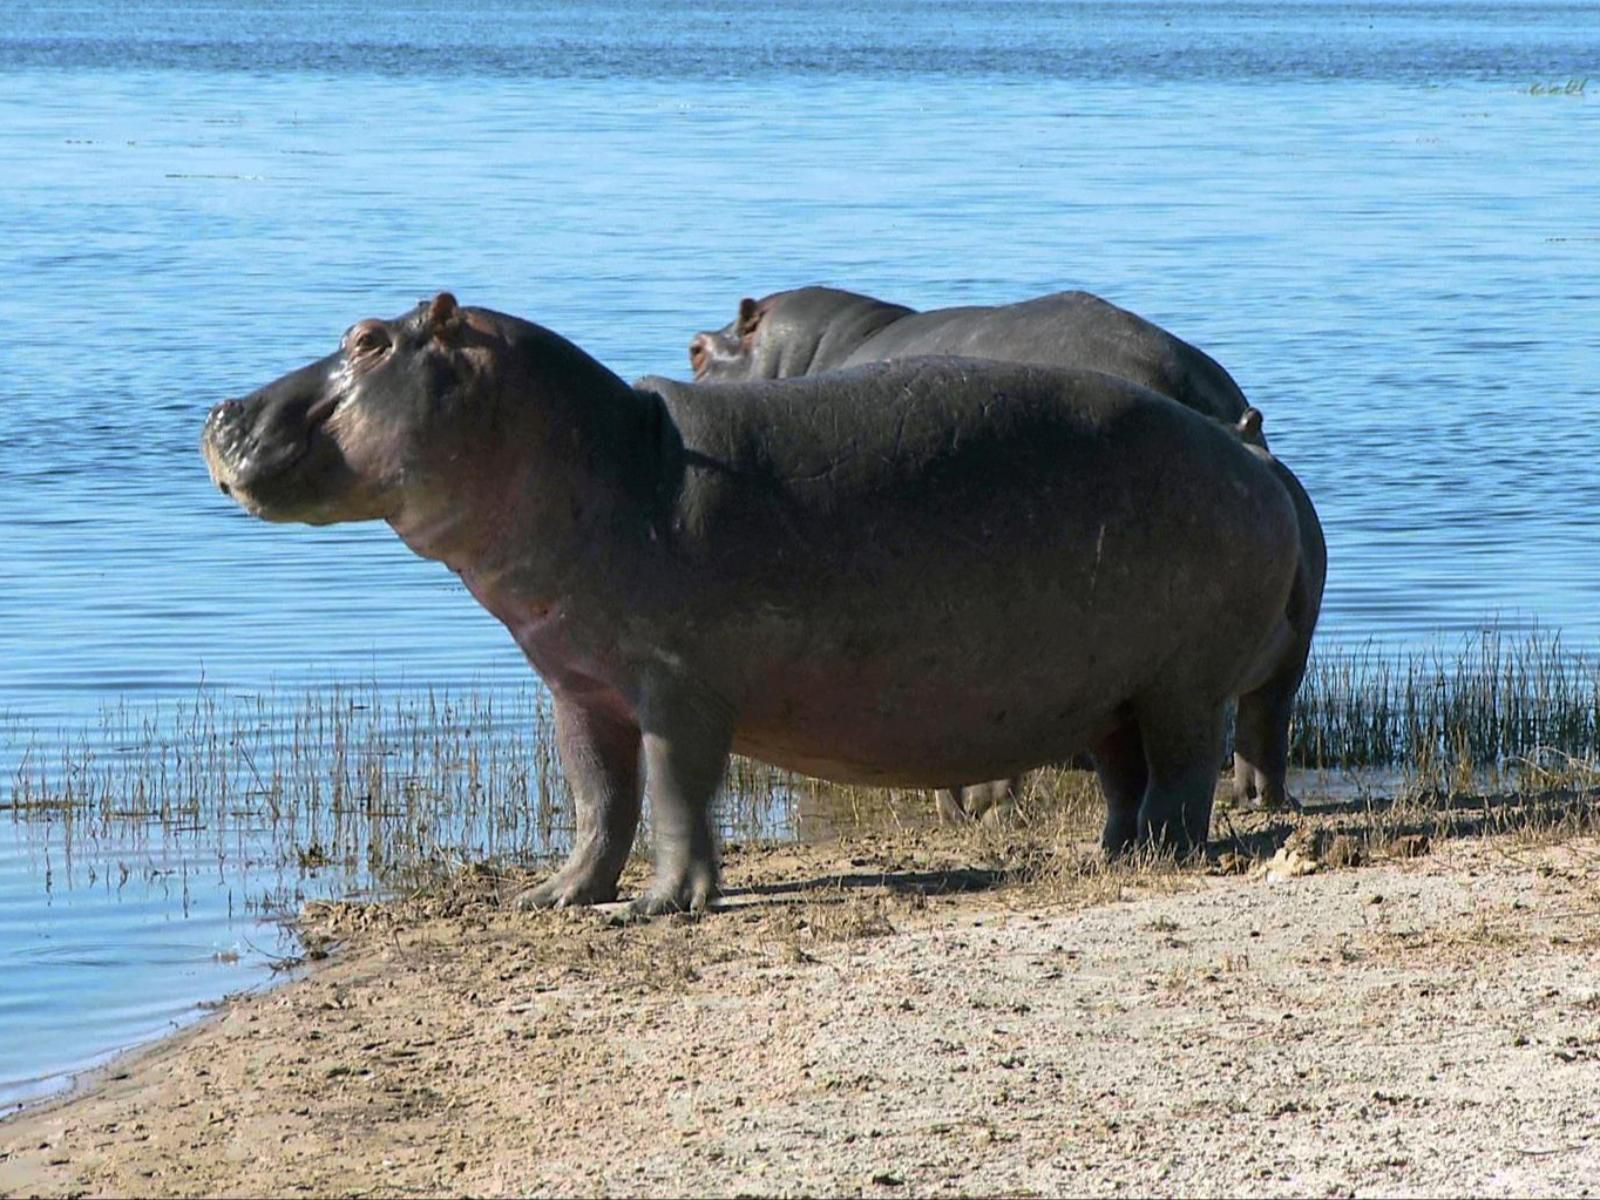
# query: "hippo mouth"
{"points": [[260, 469]]}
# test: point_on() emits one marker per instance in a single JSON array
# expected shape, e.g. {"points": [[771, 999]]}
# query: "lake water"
{"points": [[1377, 216]]}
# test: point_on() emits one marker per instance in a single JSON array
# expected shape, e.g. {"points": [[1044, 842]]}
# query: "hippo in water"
{"points": [[701, 570], [814, 329]]}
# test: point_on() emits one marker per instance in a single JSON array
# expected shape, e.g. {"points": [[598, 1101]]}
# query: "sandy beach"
{"points": [[902, 1014]]}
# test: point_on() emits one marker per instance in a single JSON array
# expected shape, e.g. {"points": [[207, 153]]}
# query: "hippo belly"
{"points": [[937, 735], [994, 602]]}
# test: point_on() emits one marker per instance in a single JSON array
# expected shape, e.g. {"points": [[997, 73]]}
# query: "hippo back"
{"points": [[1067, 329]]}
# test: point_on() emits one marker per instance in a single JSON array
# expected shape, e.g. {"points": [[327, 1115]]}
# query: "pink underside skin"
{"points": [[822, 718], [540, 629]]}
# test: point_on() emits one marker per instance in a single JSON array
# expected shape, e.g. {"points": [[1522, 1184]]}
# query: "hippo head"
{"points": [[355, 435], [798, 332], [728, 353]]}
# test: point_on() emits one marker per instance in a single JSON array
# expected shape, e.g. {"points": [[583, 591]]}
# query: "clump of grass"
{"points": [[844, 917], [1496, 702], [401, 789], [346, 779]]}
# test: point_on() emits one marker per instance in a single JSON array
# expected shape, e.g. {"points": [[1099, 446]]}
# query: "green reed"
{"points": [[387, 787], [376, 785], [1574, 86], [1496, 701], [333, 777]]}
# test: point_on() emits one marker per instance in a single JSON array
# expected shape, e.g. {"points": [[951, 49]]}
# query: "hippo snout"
{"points": [[223, 443], [223, 415], [224, 419], [242, 450]]}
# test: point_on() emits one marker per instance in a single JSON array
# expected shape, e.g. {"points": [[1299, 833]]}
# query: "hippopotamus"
{"points": [[995, 800], [814, 329], [699, 570]]}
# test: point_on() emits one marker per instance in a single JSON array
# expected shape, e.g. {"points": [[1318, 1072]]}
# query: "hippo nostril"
{"points": [[224, 488], [223, 419]]}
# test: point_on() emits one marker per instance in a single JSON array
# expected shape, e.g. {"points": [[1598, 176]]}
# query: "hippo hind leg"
{"points": [[990, 802], [1119, 762], [1183, 753], [1261, 740]]}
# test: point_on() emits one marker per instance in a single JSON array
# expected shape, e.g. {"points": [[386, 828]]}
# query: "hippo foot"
{"points": [[993, 803], [1257, 791], [1120, 839], [947, 804], [567, 888], [1001, 815], [1265, 802], [691, 890], [1153, 847], [1124, 839]]}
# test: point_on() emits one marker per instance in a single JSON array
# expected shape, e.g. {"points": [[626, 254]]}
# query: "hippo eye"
{"points": [[369, 339]]}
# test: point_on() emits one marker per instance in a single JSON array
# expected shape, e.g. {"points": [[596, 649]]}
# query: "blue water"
{"points": [[116, 940], [1372, 214]]}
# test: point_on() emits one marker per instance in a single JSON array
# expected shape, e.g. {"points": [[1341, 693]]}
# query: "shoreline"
{"points": [[114, 1065], [854, 1024]]}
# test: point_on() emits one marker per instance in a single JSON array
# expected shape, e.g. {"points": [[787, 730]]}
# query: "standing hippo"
{"points": [[741, 568], [814, 329]]}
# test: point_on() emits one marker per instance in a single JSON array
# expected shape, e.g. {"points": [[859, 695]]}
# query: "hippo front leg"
{"points": [[600, 756], [687, 740]]}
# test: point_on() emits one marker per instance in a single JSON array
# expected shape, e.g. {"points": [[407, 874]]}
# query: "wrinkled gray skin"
{"points": [[815, 329], [699, 570]]}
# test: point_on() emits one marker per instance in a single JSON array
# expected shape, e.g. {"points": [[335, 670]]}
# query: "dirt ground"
{"points": [[912, 1013]]}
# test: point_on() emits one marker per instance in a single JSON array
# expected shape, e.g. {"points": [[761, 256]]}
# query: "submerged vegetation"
{"points": [[384, 788], [392, 789]]}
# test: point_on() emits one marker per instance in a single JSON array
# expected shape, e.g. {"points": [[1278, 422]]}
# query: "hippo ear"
{"points": [[750, 314], [444, 314], [1250, 427]]}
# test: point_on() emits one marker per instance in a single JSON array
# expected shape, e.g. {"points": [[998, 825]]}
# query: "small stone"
{"points": [[1288, 863]]}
